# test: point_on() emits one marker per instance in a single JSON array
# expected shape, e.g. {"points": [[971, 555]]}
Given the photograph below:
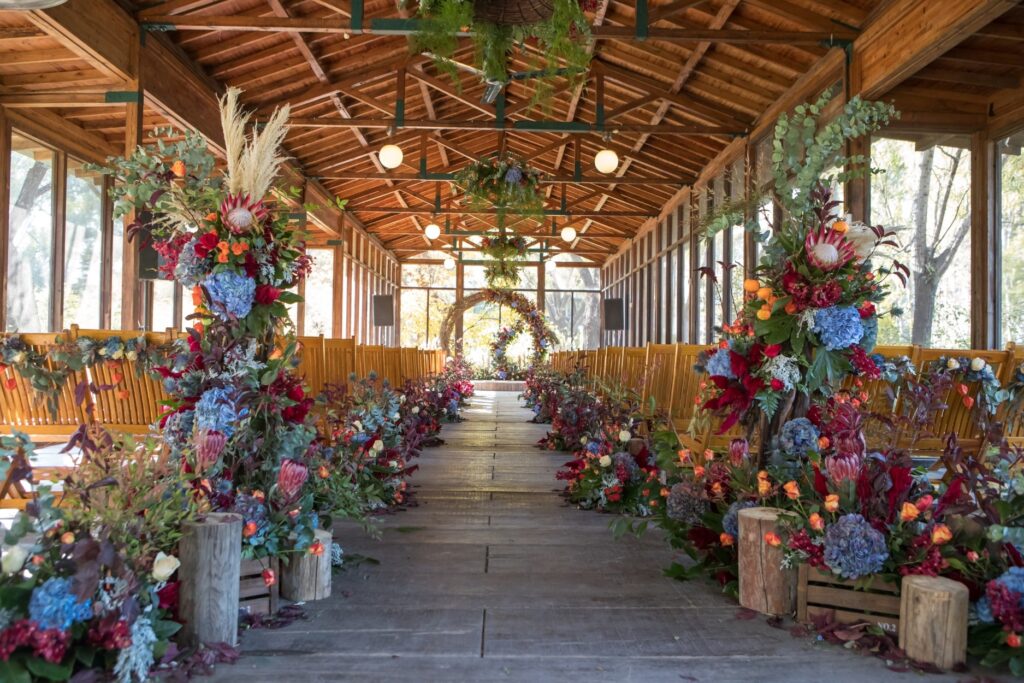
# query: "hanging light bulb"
{"points": [[29, 4], [449, 263], [432, 231], [568, 233], [606, 161], [390, 156]]}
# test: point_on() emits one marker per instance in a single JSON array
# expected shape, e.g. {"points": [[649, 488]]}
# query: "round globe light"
{"points": [[568, 233], [390, 156], [432, 231], [449, 263], [606, 161]]}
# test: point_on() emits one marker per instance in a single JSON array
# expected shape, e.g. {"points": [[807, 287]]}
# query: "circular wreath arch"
{"points": [[544, 337], [499, 348]]}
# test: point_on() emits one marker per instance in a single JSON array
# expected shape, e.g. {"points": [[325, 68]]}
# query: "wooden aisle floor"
{"points": [[492, 577]]}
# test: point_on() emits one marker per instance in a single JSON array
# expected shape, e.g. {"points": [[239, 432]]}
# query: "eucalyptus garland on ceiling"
{"points": [[504, 183], [507, 251], [557, 31]]}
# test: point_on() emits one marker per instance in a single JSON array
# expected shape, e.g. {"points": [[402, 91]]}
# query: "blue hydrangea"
{"points": [[191, 269], [838, 327], [231, 294], [870, 336], [514, 175], [983, 611], [1013, 578], [731, 520], [798, 436], [54, 605], [216, 411], [593, 446], [720, 364], [853, 548]]}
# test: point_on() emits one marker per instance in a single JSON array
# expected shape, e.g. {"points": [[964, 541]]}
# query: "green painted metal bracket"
{"points": [[335, 243], [642, 23], [563, 126], [357, 16], [423, 166], [122, 96], [399, 112], [399, 26], [435, 176], [499, 110], [150, 26], [297, 216]]}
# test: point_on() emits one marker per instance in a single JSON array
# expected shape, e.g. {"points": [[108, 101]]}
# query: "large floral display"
{"points": [[798, 412], [544, 338]]}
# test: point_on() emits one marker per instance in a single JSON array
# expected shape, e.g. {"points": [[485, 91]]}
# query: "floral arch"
{"points": [[544, 337]]}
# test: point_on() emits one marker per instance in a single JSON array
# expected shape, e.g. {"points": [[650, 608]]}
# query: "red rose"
{"points": [[266, 295], [866, 310], [207, 243], [296, 393], [168, 596], [777, 384], [772, 350]]}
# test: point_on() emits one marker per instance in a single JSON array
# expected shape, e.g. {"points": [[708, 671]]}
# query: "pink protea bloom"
{"points": [[241, 214], [739, 449], [209, 445], [290, 479], [827, 249], [842, 468]]}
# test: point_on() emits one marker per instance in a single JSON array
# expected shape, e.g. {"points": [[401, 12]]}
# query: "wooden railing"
{"points": [[135, 403], [666, 372]]}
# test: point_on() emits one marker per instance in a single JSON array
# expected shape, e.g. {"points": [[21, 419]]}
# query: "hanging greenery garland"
{"points": [[507, 251], [544, 338], [503, 183], [557, 29]]}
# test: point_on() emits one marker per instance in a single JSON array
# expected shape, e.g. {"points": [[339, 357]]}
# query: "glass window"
{"points": [[427, 275], [586, 319], [558, 310], [414, 318], [163, 305], [319, 308], [1011, 235], [441, 302], [30, 241], [116, 273], [83, 247], [924, 195]]}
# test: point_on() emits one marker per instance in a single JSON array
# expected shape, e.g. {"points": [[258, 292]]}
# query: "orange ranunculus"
{"points": [[684, 455], [817, 521], [716, 489], [832, 502], [823, 442], [178, 169], [698, 471], [764, 314], [1012, 639], [316, 548], [751, 286], [323, 472], [709, 454], [664, 492], [791, 307], [792, 490], [909, 512], [67, 538], [211, 217], [764, 487], [772, 539], [726, 539], [840, 226], [249, 529], [239, 248], [222, 257], [941, 534]]}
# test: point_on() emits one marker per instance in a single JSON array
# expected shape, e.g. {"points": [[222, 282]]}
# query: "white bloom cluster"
{"points": [[785, 369]]}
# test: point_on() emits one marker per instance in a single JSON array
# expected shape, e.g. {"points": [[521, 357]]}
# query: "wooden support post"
{"points": [[5, 190], [984, 287], [933, 620], [211, 562], [131, 289], [308, 576], [764, 586]]}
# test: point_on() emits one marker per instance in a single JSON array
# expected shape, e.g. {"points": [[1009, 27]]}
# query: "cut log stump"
{"points": [[211, 558], [764, 586], [933, 619], [308, 576]]}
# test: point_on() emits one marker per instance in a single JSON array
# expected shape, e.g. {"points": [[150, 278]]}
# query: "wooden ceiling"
{"points": [[672, 100]]}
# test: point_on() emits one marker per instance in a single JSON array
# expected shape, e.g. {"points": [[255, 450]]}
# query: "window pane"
{"points": [[319, 308], [586, 307], [30, 241], [736, 274], [163, 304], [414, 318], [925, 197], [116, 271], [558, 309], [1011, 219], [441, 302], [473, 277], [83, 247], [424, 275]]}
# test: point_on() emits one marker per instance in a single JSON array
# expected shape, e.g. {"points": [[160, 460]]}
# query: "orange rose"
{"points": [[178, 169], [823, 442], [709, 454], [316, 548], [941, 534], [664, 492], [832, 502], [817, 521], [772, 539], [909, 512], [67, 538], [698, 471], [792, 490], [1012, 639], [249, 529], [684, 454], [716, 490], [726, 539], [324, 472], [239, 248], [269, 577]]}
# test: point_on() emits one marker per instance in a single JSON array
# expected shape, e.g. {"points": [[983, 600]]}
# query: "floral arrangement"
{"points": [[506, 184], [506, 251], [503, 367], [87, 589], [560, 41], [544, 338], [239, 416]]}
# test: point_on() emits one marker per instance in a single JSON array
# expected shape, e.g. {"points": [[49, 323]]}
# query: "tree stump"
{"points": [[764, 586], [211, 560], [308, 576], [933, 620]]}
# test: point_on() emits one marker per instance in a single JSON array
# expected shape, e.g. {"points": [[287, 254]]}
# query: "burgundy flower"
{"points": [[827, 294], [168, 596], [206, 243], [866, 310], [110, 633], [266, 295], [794, 285], [51, 644], [863, 363], [290, 479], [772, 350], [19, 634]]}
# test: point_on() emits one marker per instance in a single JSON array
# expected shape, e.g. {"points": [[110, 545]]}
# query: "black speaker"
{"points": [[383, 310], [614, 314]]}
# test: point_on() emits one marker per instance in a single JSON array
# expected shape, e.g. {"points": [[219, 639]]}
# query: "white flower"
{"points": [[19, 357], [393, 464], [825, 253], [14, 559], [863, 240], [378, 446], [583, 440], [401, 399], [953, 364], [415, 410], [625, 436], [131, 355], [606, 461], [164, 566], [396, 417], [978, 364], [358, 426]]}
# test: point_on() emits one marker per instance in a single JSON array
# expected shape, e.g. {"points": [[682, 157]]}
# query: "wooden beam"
{"points": [[521, 126], [100, 32], [907, 35], [489, 212], [548, 179]]}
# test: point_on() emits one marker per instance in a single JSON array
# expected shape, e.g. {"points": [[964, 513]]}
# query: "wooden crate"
{"points": [[820, 592], [253, 594]]}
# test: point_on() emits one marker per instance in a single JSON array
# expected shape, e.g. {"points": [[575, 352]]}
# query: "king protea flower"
{"points": [[209, 445], [842, 468], [827, 249], [241, 214], [290, 478]]}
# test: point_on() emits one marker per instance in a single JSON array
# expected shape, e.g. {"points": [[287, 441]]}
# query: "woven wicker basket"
{"points": [[513, 12]]}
